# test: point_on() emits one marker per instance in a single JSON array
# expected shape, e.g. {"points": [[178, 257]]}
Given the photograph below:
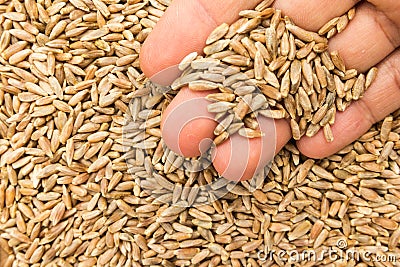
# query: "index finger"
{"points": [[184, 28]]}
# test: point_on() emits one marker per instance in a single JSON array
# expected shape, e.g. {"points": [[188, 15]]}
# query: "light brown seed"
{"points": [[217, 33], [300, 230], [338, 61], [371, 75], [328, 26]]}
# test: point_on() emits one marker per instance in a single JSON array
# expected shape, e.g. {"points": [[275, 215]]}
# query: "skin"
{"points": [[371, 38]]}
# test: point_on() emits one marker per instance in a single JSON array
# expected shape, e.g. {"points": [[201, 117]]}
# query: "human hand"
{"points": [[373, 37]]}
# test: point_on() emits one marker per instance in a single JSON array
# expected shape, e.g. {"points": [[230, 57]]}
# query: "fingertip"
{"points": [[187, 127], [158, 61], [150, 59], [237, 158], [349, 125], [314, 147], [240, 158], [182, 29], [195, 137], [145, 57]]}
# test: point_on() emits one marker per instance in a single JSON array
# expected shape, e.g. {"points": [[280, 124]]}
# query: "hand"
{"points": [[371, 38]]}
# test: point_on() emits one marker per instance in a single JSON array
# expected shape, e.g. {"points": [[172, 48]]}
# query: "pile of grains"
{"points": [[265, 65], [87, 181]]}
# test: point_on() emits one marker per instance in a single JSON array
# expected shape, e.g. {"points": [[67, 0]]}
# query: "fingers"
{"points": [[183, 29], [187, 127], [313, 14], [374, 31], [373, 34], [382, 98], [369, 38], [239, 158]]}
